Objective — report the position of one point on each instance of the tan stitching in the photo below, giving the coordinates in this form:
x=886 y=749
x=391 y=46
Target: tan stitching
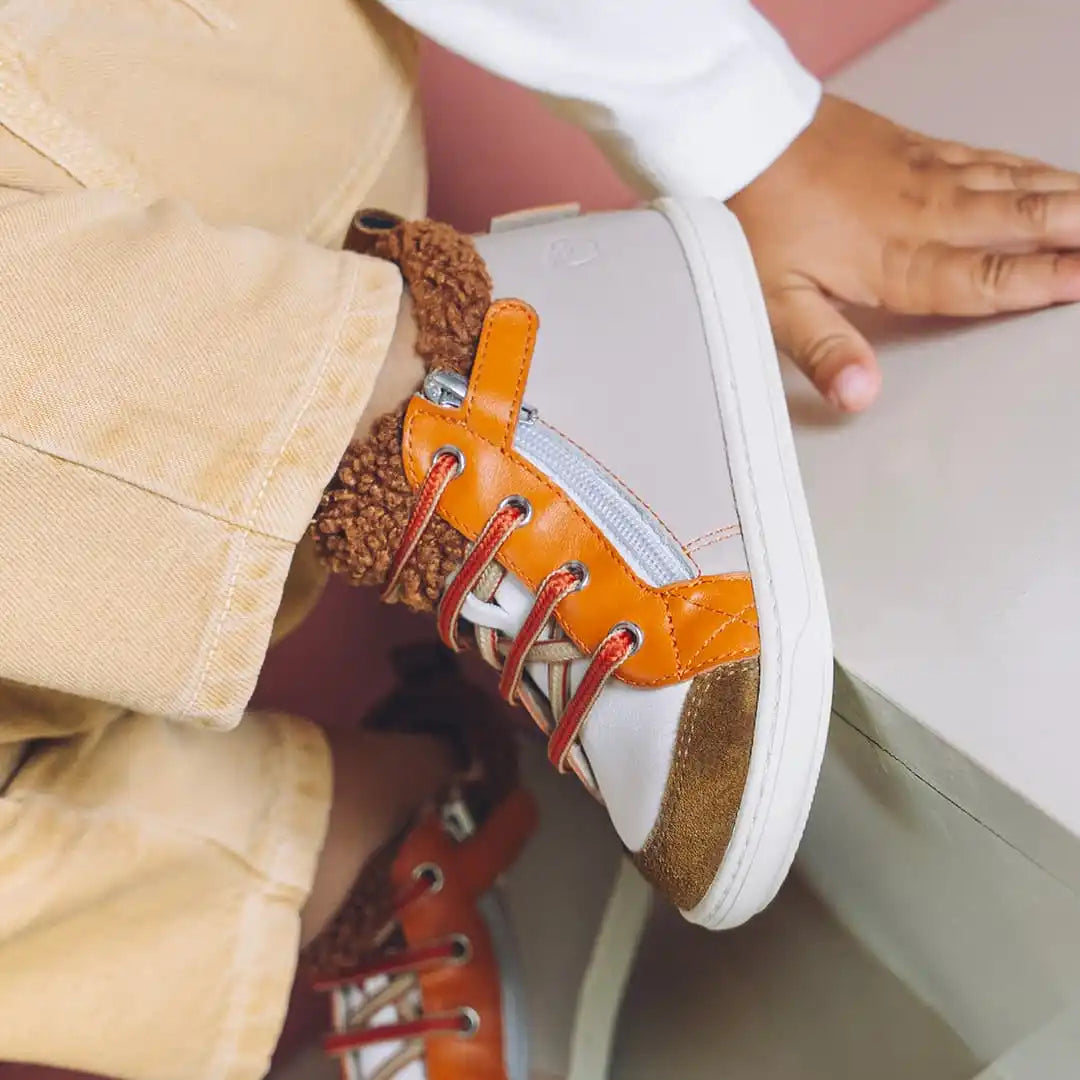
x=370 y=161
x=332 y=342
x=54 y=135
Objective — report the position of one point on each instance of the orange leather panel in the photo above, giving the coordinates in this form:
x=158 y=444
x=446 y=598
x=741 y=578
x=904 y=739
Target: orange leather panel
x=469 y=870
x=497 y=386
x=690 y=627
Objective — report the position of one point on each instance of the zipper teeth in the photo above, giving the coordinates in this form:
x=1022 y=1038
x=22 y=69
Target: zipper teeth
x=624 y=518
x=628 y=523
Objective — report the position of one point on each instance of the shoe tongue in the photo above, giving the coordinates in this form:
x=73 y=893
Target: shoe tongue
x=366 y=507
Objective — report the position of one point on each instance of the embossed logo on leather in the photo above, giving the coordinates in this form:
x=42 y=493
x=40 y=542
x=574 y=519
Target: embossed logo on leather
x=567 y=252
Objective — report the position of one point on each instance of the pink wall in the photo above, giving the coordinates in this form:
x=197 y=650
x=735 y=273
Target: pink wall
x=494 y=148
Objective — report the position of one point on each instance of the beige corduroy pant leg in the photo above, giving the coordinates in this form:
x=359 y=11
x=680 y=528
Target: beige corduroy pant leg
x=183 y=358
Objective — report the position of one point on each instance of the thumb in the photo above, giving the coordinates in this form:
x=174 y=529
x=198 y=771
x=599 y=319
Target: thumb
x=828 y=350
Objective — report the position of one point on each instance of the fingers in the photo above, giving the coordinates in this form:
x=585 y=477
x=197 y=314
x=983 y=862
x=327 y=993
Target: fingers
x=991 y=198
x=1033 y=219
x=832 y=354
x=942 y=280
x=962 y=154
x=998 y=176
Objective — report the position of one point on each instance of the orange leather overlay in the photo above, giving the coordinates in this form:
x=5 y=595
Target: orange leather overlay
x=690 y=627
x=469 y=870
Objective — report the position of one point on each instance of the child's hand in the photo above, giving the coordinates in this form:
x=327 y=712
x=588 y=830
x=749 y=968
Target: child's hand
x=862 y=211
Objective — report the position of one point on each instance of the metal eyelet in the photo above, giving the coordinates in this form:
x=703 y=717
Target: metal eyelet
x=470 y=1022
x=462 y=947
x=635 y=632
x=433 y=873
x=579 y=570
x=455 y=453
x=522 y=504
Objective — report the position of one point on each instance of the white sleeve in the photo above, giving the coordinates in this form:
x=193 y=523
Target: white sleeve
x=687 y=97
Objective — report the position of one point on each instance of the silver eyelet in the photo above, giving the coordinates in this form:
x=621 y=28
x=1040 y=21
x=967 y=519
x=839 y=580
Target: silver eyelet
x=635 y=632
x=433 y=873
x=580 y=571
x=470 y=1022
x=455 y=453
x=462 y=947
x=521 y=503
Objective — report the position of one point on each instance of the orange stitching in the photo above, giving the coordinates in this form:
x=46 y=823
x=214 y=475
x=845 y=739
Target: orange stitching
x=722 y=658
x=716 y=611
x=742 y=652
x=422 y=410
x=482 y=355
x=478 y=366
x=523 y=374
x=644 y=502
x=544 y=482
x=716 y=535
x=670 y=620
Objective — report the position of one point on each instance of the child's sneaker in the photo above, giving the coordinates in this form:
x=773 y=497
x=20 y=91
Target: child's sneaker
x=420 y=967
x=607 y=498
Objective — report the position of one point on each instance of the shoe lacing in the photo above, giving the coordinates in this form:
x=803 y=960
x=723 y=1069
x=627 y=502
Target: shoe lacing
x=539 y=639
x=400 y=967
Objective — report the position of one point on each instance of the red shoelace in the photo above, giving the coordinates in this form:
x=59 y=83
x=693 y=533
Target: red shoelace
x=480 y=576
x=400 y=966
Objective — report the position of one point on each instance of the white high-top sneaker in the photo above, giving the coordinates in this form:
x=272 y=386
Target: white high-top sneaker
x=598 y=483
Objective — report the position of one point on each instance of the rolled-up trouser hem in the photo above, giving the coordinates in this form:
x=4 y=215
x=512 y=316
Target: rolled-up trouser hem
x=186 y=413
x=151 y=879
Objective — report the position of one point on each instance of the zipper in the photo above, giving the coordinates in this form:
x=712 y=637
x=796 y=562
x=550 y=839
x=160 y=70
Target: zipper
x=627 y=522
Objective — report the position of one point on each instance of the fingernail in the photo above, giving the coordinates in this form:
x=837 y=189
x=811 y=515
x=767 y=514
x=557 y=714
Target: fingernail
x=854 y=388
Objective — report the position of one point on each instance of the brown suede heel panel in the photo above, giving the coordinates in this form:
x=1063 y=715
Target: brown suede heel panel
x=705 y=786
x=366 y=507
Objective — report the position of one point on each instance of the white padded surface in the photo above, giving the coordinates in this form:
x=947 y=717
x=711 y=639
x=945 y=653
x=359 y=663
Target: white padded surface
x=948 y=518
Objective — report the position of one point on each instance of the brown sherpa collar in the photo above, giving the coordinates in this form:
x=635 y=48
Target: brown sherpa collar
x=366 y=507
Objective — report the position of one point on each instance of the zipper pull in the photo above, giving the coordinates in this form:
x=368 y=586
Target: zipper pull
x=457 y=819
x=447 y=389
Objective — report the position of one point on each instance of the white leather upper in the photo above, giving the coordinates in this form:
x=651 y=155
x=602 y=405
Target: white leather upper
x=621 y=366
x=629 y=736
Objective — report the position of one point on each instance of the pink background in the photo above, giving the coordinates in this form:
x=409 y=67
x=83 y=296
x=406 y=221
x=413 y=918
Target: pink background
x=493 y=149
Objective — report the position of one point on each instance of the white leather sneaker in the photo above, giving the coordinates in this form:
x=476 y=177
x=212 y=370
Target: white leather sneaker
x=598 y=483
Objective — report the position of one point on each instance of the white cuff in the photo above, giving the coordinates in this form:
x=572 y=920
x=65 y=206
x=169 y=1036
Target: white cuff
x=713 y=137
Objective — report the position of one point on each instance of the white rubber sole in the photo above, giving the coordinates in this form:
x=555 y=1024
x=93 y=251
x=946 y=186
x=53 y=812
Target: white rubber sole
x=796 y=653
